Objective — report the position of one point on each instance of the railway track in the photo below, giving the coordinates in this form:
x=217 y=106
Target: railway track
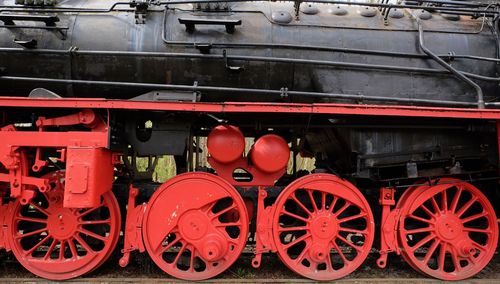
x=142 y=270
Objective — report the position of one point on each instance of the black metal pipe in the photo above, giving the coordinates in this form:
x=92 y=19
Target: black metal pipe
x=197 y=88
x=458 y=74
x=263 y=59
x=365 y=4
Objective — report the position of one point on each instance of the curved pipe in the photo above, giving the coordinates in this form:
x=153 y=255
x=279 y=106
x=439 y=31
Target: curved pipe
x=458 y=74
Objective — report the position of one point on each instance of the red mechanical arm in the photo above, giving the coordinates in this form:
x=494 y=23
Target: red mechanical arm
x=89 y=164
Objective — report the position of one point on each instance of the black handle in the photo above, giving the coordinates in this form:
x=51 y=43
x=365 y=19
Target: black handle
x=26 y=43
x=8 y=19
x=190 y=23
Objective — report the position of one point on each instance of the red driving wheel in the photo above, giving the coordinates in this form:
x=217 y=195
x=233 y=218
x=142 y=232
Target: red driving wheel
x=195 y=226
x=60 y=243
x=448 y=230
x=323 y=227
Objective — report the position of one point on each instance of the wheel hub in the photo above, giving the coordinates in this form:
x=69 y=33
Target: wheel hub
x=449 y=227
x=324 y=226
x=205 y=222
x=62 y=224
x=193 y=225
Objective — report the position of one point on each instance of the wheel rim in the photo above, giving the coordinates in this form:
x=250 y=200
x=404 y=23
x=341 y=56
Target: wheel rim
x=419 y=184
x=196 y=226
x=60 y=243
x=448 y=230
x=323 y=227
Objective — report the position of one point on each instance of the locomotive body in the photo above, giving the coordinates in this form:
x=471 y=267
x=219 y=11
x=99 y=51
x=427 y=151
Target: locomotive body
x=265 y=51
x=389 y=101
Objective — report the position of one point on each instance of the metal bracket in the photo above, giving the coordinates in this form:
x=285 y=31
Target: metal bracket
x=263 y=235
x=191 y=23
x=204 y=48
x=8 y=19
x=389 y=222
x=133 y=228
x=141 y=10
x=234 y=69
x=284 y=92
x=29 y=44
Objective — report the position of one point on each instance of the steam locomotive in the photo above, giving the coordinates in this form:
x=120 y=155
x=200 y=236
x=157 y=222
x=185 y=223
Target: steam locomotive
x=396 y=104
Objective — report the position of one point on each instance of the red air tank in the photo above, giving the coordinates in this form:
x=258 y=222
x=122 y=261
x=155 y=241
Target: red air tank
x=270 y=153
x=226 y=143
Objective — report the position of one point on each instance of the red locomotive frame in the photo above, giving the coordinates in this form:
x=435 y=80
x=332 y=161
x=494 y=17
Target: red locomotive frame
x=89 y=177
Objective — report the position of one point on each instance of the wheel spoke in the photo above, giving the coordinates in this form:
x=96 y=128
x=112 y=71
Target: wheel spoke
x=295 y=216
x=474 y=217
x=31 y=219
x=50 y=249
x=442 y=255
x=329 y=264
x=353 y=217
x=444 y=200
x=323 y=201
x=296 y=241
x=222 y=212
x=32 y=233
x=341 y=254
x=301 y=205
x=332 y=205
x=477 y=230
x=39 y=244
x=422 y=242
x=179 y=254
x=303 y=253
x=427 y=211
x=62 y=248
x=466 y=206
x=421 y=219
x=354 y=231
x=229 y=224
x=435 y=205
x=456 y=261
x=454 y=202
x=431 y=251
x=39 y=209
x=343 y=208
x=311 y=197
x=163 y=249
x=478 y=246
x=92 y=234
x=419 y=230
x=72 y=248
x=84 y=244
x=293 y=229
x=192 y=258
x=348 y=243
x=90 y=210
x=96 y=222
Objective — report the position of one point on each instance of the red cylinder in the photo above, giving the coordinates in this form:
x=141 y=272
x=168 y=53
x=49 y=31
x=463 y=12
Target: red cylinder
x=226 y=143
x=270 y=153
